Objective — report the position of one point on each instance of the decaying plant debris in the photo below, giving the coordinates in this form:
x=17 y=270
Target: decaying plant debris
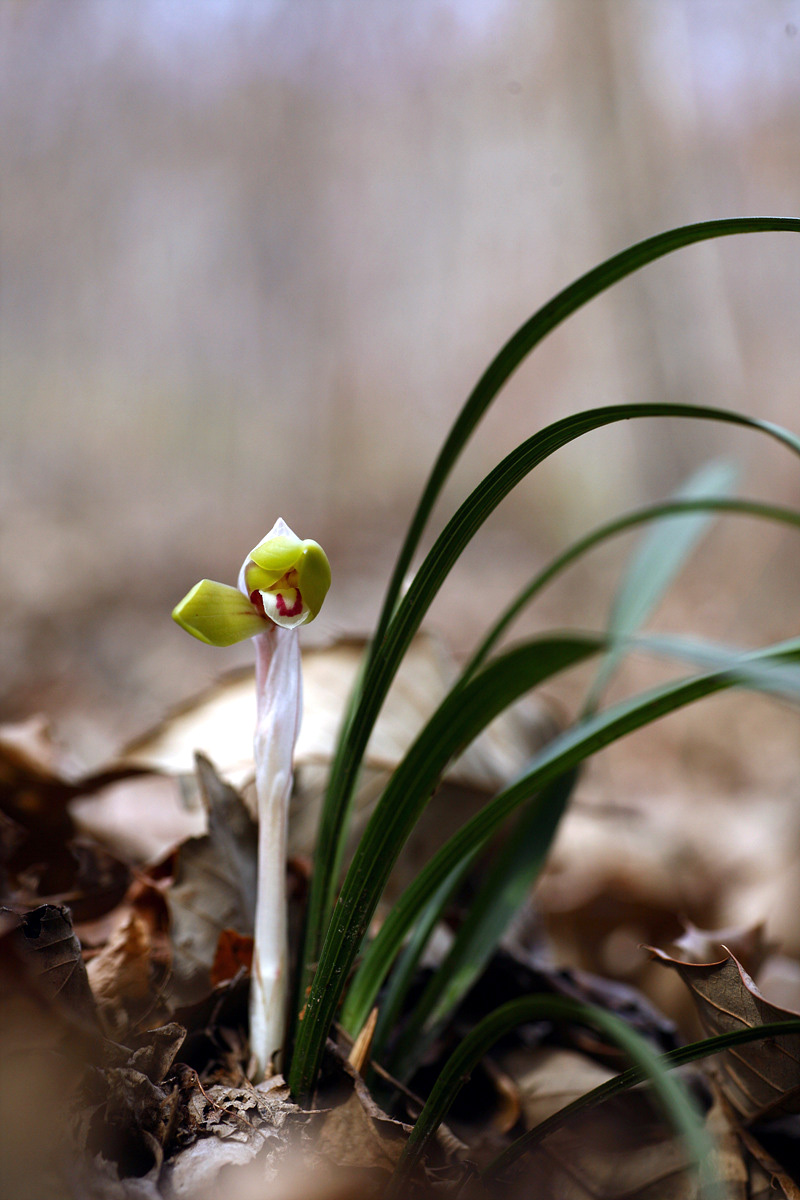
x=140 y=1028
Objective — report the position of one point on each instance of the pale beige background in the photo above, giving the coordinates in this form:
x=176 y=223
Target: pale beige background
x=255 y=254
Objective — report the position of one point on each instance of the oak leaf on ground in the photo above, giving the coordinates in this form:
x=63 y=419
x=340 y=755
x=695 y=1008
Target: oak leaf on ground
x=760 y=1079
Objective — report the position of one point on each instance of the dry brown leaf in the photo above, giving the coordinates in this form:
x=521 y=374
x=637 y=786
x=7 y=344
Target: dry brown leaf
x=78 y=873
x=212 y=1168
x=549 y=1077
x=157 y=1052
x=148 y=801
x=359 y=1134
x=38 y=778
x=133 y=1122
x=508 y=1105
x=730 y=1163
x=27 y=747
x=239 y=1136
x=44 y=860
x=120 y=975
x=234 y=953
x=761 y=1078
x=624 y=1149
x=214 y=888
x=52 y=954
x=142 y=818
x=35 y=789
x=764 y=1185
x=44 y=1051
x=618 y=877
x=766 y=1178
x=620 y=1149
x=747 y=943
x=623 y=873
x=220 y=722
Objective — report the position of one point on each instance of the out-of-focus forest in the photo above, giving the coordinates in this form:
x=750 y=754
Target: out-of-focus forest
x=255 y=253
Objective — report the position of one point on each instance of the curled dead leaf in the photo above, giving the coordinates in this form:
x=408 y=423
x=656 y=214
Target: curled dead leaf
x=214 y=887
x=748 y=943
x=52 y=953
x=761 y=1078
x=121 y=975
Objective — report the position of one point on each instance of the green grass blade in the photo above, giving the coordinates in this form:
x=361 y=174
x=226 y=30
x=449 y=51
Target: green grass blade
x=309 y=938
x=560 y=756
x=500 y=896
x=402 y=976
x=775 y=676
x=518 y=863
x=652 y=568
x=635 y=1075
x=534 y=330
x=654 y=564
x=354 y=733
x=674 y=1096
x=411 y=610
x=459 y=718
x=595 y=537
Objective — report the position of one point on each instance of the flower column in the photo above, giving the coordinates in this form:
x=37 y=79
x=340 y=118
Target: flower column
x=282 y=585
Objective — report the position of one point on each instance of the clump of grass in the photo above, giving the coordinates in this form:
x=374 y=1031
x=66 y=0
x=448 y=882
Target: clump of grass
x=339 y=913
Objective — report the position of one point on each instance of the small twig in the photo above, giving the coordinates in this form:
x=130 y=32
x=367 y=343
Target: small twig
x=381 y=1071
x=221 y=1107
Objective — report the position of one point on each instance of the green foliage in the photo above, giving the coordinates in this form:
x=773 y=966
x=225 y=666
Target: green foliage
x=559 y=757
x=386 y=652
x=674 y=1096
x=336 y=928
x=660 y=556
x=663 y=550
x=499 y=897
x=627 y=1079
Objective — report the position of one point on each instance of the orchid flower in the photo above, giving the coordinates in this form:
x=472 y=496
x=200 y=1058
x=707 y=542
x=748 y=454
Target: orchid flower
x=282 y=584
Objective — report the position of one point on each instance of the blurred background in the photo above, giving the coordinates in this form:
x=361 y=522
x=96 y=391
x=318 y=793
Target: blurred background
x=255 y=253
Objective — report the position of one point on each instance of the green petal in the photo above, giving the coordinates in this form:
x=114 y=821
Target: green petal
x=217 y=614
x=314 y=576
x=257 y=579
x=277 y=554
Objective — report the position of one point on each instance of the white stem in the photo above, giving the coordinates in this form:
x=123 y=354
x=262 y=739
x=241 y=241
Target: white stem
x=279 y=695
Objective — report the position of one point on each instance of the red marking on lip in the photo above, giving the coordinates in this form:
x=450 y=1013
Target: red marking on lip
x=257 y=602
x=296 y=608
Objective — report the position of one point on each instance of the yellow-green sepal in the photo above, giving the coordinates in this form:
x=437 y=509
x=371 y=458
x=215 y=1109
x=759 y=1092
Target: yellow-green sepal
x=256 y=579
x=313 y=577
x=277 y=555
x=217 y=614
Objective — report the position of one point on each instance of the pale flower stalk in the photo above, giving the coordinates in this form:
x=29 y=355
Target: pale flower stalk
x=279 y=694
x=282 y=584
